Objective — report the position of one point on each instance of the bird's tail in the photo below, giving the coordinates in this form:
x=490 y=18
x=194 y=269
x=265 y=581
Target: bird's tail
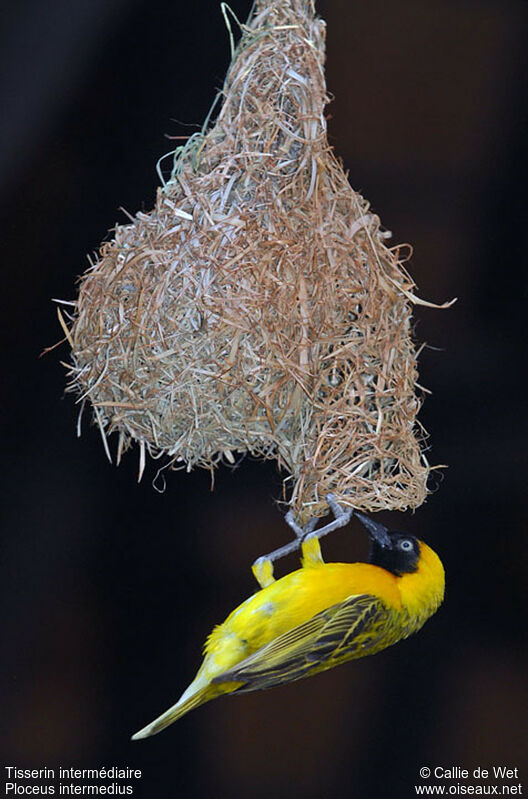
x=196 y=694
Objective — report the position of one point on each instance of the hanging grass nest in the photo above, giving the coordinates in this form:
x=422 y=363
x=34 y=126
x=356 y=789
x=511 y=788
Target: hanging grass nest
x=257 y=308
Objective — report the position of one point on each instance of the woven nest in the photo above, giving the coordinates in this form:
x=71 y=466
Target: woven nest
x=256 y=308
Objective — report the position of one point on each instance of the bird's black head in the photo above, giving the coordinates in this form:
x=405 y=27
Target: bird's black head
x=396 y=552
x=401 y=558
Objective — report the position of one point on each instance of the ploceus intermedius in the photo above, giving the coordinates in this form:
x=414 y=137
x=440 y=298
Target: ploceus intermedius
x=317 y=617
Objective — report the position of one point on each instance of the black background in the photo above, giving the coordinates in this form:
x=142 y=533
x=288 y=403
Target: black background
x=110 y=587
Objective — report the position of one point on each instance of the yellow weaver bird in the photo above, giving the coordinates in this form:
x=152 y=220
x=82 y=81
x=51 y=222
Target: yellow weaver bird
x=316 y=617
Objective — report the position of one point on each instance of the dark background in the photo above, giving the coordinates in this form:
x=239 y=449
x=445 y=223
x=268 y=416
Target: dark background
x=111 y=587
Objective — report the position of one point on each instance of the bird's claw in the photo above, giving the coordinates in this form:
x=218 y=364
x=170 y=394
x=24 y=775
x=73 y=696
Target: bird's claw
x=297 y=529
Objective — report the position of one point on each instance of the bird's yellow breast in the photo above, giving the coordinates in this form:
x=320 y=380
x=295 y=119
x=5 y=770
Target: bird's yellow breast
x=289 y=602
x=422 y=591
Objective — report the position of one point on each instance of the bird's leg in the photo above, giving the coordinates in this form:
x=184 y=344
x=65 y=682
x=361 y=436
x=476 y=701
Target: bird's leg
x=342 y=517
x=297 y=529
x=263 y=571
x=263 y=567
x=310 y=525
x=311 y=551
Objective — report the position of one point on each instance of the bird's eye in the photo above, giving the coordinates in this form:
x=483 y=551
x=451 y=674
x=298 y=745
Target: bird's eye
x=406 y=545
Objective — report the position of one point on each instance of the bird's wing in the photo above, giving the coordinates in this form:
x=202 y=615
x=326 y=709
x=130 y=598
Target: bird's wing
x=341 y=632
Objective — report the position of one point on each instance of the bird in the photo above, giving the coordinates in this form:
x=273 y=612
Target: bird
x=316 y=617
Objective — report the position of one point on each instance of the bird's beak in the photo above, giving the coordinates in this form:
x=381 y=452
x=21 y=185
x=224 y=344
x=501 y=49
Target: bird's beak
x=378 y=532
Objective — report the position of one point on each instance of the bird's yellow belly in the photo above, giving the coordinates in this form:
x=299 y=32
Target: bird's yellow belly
x=289 y=602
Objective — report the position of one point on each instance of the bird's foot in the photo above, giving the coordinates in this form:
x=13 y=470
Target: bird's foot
x=263 y=566
x=342 y=517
